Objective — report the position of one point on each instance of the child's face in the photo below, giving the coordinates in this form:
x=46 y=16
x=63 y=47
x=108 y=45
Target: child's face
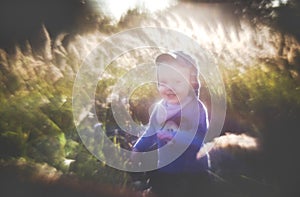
x=173 y=83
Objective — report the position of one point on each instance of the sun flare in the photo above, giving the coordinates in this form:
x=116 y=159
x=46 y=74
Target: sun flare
x=116 y=8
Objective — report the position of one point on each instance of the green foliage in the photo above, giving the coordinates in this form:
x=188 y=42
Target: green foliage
x=9 y=82
x=71 y=148
x=12 y=144
x=60 y=113
x=141 y=101
x=260 y=92
x=36 y=136
x=37 y=122
x=88 y=167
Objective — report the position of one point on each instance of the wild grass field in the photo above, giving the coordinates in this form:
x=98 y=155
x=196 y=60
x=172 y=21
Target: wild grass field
x=256 y=154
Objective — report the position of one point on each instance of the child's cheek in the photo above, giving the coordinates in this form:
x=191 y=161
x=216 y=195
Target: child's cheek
x=161 y=89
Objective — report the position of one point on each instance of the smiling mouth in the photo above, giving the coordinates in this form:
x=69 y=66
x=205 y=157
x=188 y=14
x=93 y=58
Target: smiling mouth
x=171 y=95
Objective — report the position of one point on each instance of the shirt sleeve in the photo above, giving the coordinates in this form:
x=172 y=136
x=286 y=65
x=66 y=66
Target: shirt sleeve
x=145 y=143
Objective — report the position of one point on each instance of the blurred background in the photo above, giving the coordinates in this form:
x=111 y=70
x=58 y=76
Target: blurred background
x=44 y=42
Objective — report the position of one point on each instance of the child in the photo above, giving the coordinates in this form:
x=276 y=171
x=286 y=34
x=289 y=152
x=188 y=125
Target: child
x=178 y=123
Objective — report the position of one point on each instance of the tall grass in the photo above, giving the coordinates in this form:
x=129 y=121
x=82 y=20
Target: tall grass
x=36 y=111
x=263 y=101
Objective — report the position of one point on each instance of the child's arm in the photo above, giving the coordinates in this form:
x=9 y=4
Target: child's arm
x=147 y=141
x=144 y=143
x=185 y=137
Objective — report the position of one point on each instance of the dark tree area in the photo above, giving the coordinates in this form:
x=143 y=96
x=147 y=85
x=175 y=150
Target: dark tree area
x=22 y=20
x=285 y=16
x=288 y=18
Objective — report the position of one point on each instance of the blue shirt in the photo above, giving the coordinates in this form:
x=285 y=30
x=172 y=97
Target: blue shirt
x=189 y=124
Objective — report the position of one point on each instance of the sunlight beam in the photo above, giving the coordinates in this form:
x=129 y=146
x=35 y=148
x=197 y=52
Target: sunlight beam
x=116 y=8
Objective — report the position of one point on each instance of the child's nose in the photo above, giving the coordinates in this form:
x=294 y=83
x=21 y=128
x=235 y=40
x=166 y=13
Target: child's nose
x=167 y=87
x=170 y=89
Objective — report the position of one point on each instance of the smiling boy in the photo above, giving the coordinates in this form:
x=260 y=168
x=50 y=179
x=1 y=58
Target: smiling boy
x=178 y=124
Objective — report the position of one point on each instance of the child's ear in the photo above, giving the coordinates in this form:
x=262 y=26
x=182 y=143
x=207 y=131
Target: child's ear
x=194 y=81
